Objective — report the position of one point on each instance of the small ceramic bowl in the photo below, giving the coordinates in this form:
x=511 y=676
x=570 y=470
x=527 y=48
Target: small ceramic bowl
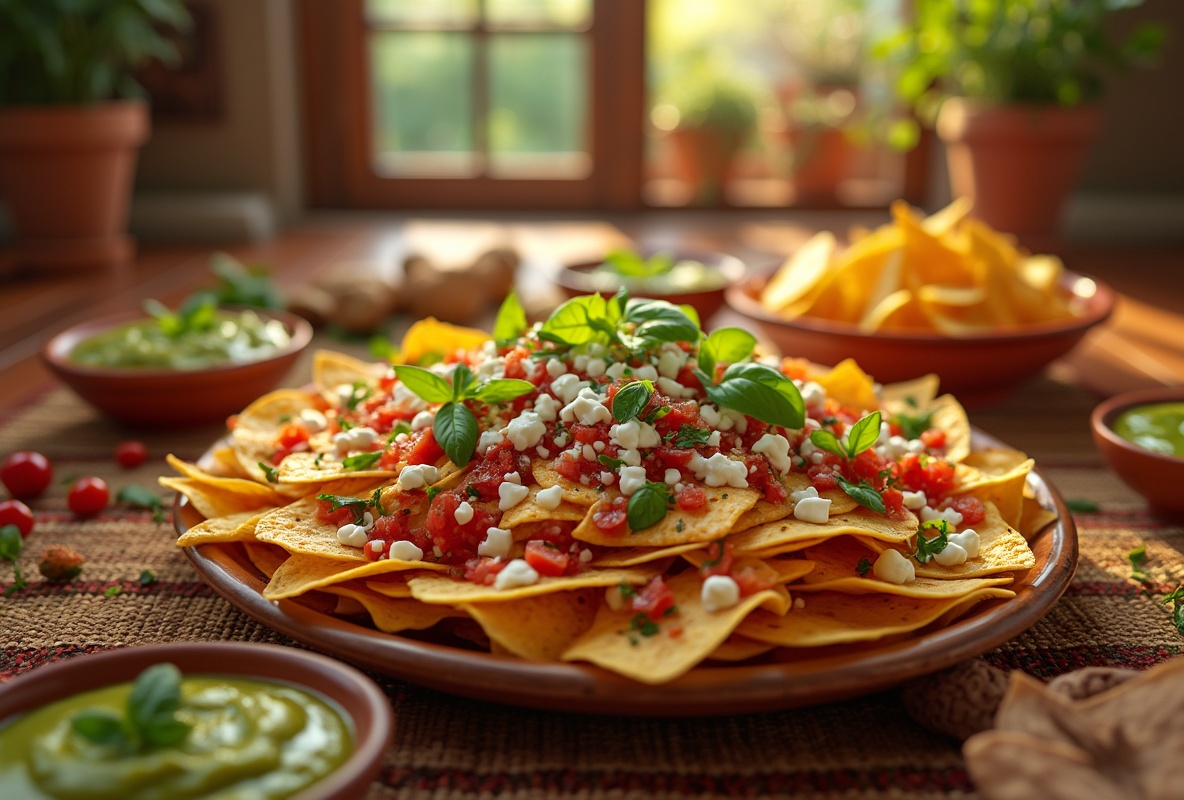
x=1159 y=478
x=164 y=398
x=363 y=703
x=574 y=280
x=980 y=367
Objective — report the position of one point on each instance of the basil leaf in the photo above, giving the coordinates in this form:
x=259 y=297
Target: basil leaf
x=631 y=399
x=463 y=381
x=913 y=425
x=501 y=390
x=863 y=493
x=580 y=320
x=726 y=344
x=147 y=577
x=456 y=431
x=357 y=393
x=647 y=506
x=155 y=697
x=138 y=497
x=354 y=504
x=690 y=436
x=863 y=434
x=692 y=315
x=166 y=732
x=100 y=727
x=424 y=383
x=760 y=392
x=660 y=321
x=362 y=460
x=1176 y=599
x=511 y=320
x=11 y=543
x=927 y=548
x=613 y=464
x=825 y=440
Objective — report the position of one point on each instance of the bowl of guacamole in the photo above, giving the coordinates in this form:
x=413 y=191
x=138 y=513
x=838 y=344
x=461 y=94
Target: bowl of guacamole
x=165 y=369
x=1141 y=436
x=192 y=721
x=684 y=277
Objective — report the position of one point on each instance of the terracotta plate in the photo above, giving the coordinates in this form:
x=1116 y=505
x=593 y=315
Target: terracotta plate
x=815 y=676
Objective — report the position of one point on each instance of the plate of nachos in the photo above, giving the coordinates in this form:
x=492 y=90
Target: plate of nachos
x=614 y=511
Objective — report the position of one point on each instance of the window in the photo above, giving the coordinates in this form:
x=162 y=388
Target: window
x=594 y=104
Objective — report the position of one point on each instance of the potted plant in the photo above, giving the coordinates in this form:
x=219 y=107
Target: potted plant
x=712 y=115
x=71 y=121
x=1013 y=87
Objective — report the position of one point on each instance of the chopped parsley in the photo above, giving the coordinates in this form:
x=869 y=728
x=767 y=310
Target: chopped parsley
x=689 y=436
x=863 y=567
x=270 y=472
x=928 y=548
x=362 y=460
x=113 y=591
x=643 y=625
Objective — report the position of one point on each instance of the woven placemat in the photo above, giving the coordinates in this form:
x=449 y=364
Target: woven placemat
x=454 y=747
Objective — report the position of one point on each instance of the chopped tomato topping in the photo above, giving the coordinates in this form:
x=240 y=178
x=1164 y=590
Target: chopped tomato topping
x=934 y=438
x=691 y=497
x=612 y=518
x=753 y=578
x=719 y=559
x=893 y=502
x=933 y=476
x=546 y=558
x=426 y=450
x=971 y=508
x=654 y=600
x=483 y=570
x=457 y=541
x=335 y=517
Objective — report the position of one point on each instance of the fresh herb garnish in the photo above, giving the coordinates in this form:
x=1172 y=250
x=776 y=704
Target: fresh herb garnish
x=862 y=436
x=472 y=491
x=727 y=345
x=643 y=625
x=138 y=497
x=358 y=392
x=913 y=425
x=362 y=460
x=631 y=399
x=455 y=427
x=357 y=505
x=863 y=493
x=432 y=491
x=1176 y=599
x=863 y=567
x=633 y=265
x=511 y=320
x=150 y=714
x=647 y=505
x=927 y=548
x=1138 y=557
x=11 y=547
x=611 y=463
x=147 y=577
x=113 y=591
x=1081 y=506
x=689 y=436
x=269 y=472
x=759 y=391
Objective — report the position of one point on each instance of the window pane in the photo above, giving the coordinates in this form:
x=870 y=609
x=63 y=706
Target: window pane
x=538 y=105
x=558 y=13
x=423 y=107
x=419 y=12
x=768 y=103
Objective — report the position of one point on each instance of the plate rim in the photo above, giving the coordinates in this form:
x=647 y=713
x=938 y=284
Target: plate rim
x=705 y=690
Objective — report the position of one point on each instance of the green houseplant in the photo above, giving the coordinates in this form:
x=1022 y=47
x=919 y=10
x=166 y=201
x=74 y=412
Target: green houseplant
x=1013 y=86
x=71 y=121
x=712 y=115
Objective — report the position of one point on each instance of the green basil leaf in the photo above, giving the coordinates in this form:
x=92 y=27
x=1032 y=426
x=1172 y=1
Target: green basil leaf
x=913 y=425
x=456 y=431
x=502 y=390
x=647 y=505
x=580 y=320
x=155 y=696
x=728 y=345
x=660 y=321
x=927 y=548
x=631 y=399
x=424 y=383
x=613 y=464
x=760 y=392
x=138 y=497
x=863 y=434
x=166 y=732
x=147 y=577
x=511 y=320
x=690 y=436
x=355 y=504
x=362 y=460
x=463 y=381
x=825 y=440
x=11 y=543
x=692 y=315
x=100 y=727
x=863 y=493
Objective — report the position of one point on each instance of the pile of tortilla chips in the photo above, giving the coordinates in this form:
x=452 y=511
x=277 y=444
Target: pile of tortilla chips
x=822 y=591
x=947 y=273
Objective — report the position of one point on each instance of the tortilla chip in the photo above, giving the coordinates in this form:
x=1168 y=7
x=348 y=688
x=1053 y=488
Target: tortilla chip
x=238 y=527
x=266 y=557
x=907 y=396
x=998 y=477
x=547 y=476
x=301 y=573
x=840 y=501
x=537 y=628
x=211 y=501
x=738 y=648
x=860 y=521
x=429 y=336
x=443 y=589
x=390 y=585
x=851 y=386
x=259 y=424
x=530 y=511
x=331 y=370
x=949 y=416
x=725 y=505
x=1034 y=518
x=632 y=556
x=830 y=618
x=613 y=643
x=308 y=467
x=762 y=512
x=392 y=615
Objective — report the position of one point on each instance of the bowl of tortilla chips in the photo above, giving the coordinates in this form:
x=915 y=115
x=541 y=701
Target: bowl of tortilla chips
x=942 y=294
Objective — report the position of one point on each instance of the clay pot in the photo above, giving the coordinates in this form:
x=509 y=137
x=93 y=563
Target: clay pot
x=1017 y=163
x=822 y=157
x=703 y=159
x=66 y=174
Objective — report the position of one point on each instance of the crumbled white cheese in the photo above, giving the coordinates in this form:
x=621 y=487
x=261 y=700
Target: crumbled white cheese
x=672 y=388
x=525 y=430
x=951 y=516
x=463 y=514
x=631 y=458
x=497 y=544
x=423 y=420
x=567 y=387
x=892 y=567
x=354 y=439
x=516 y=573
x=489 y=439
x=968 y=540
x=587 y=408
x=774 y=447
x=951 y=555
x=550 y=498
x=645 y=373
x=510 y=495
x=352 y=535
x=635 y=435
x=671 y=360
x=672 y=476
x=596 y=367
x=547 y=407
x=812 y=509
x=802 y=494
x=813 y=395
x=555 y=367
x=313 y=421
x=914 y=500
x=404 y=551
x=719 y=592
x=719 y=470
x=632 y=479
x=416 y=476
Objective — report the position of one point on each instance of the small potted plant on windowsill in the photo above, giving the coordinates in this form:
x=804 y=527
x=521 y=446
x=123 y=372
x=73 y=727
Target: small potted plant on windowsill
x=1012 y=86
x=71 y=122
x=712 y=115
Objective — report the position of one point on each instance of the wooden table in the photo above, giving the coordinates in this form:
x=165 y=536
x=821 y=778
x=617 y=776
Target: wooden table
x=453 y=747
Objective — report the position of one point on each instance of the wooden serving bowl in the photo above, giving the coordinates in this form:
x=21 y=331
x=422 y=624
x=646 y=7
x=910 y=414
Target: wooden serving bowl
x=1159 y=478
x=980 y=367
x=364 y=705
x=169 y=398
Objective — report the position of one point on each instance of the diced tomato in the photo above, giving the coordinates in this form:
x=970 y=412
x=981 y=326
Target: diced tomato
x=893 y=503
x=753 y=578
x=761 y=478
x=426 y=450
x=483 y=570
x=867 y=466
x=334 y=516
x=822 y=477
x=971 y=508
x=654 y=600
x=934 y=438
x=570 y=468
x=546 y=558
x=515 y=366
x=685 y=412
x=933 y=476
x=500 y=460
x=677 y=457
x=612 y=518
x=719 y=559
x=458 y=542
x=556 y=533
x=588 y=434
x=691 y=497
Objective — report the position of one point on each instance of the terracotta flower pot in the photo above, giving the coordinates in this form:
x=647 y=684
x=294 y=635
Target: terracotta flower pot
x=66 y=175
x=1017 y=163
x=703 y=157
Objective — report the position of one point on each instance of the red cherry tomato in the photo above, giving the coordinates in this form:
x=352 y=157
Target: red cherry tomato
x=26 y=473
x=14 y=512
x=88 y=496
x=131 y=454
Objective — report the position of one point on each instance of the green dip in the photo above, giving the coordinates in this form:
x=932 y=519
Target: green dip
x=1157 y=427
x=225 y=337
x=250 y=739
x=673 y=277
